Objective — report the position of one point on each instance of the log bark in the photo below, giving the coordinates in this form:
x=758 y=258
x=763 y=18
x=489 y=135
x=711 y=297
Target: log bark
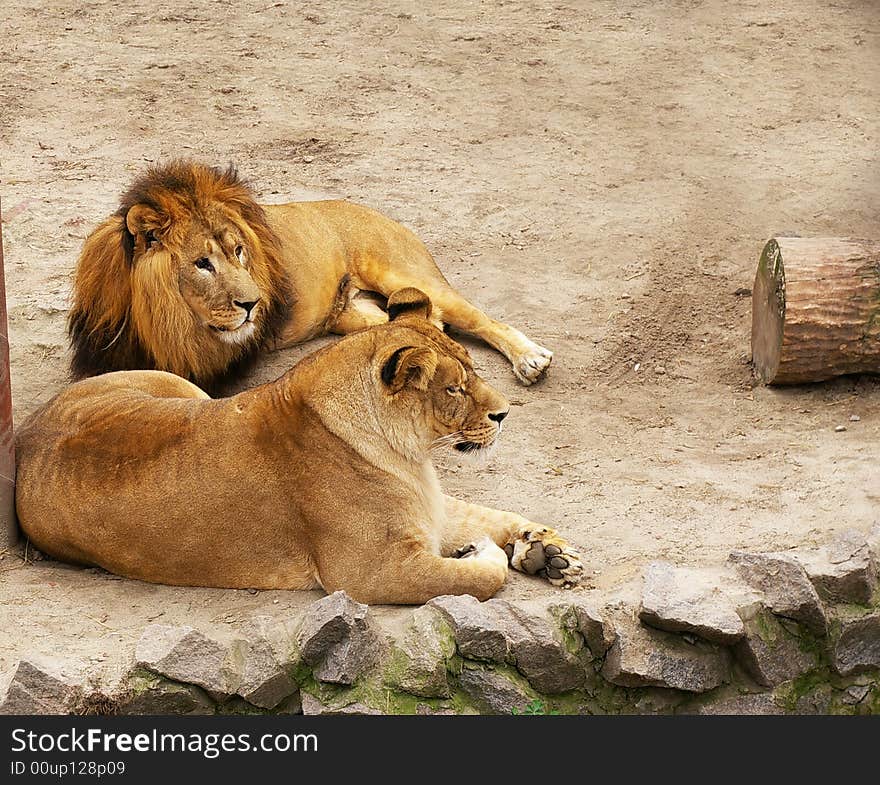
x=816 y=309
x=8 y=525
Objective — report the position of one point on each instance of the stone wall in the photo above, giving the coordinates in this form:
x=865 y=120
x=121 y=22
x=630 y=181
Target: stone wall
x=765 y=633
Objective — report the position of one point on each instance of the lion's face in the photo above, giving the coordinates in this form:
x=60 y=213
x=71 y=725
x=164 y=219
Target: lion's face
x=430 y=383
x=186 y=277
x=214 y=279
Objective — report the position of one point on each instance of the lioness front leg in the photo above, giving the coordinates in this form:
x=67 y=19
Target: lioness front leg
x=405 y=573
x=531 y=548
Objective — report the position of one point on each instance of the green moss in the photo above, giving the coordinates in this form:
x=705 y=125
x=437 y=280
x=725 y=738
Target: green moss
x=140 y=680
x=791 y=692
x=239 y=706
x=429 y=677
x=301 y=672
x=849 y=611
x=396 y=667
x=454 y=665
x=824 y=685
x=568 y=634
x=766 y=627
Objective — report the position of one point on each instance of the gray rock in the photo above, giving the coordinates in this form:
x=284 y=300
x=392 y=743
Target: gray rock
x=856 y=645
x=498 y=631
x=186 y=655
x=680 y=599
x=263 y=682
x=874 y=542
x=583 y=617
x=818 y=700
x=43 y=685
x=786 y=587
x=339 y=639
x=843 y=571
x=147 y=693
x=493 y=692
x=644 y=657
x=418 y=661
x=479 y=634
x=313 y=706
x=758 y=704
x=278 y=634
x=536 y=650
x=291 y=705
x=657 y=700
x=855 y=694
x=769 y=653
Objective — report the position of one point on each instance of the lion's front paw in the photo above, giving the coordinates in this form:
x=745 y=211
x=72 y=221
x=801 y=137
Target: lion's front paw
x=541 y=551
x=532 y=364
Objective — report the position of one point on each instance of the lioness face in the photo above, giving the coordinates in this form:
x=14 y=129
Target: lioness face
x=215 y=281
x=433 y=385
x=463 y=411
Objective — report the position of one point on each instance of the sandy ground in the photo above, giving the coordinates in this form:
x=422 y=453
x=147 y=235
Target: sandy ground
x=602 y=175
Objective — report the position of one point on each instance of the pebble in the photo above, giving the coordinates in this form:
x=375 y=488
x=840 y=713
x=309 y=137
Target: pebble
x=840 y=428
x=854 y=418
x=660 y=370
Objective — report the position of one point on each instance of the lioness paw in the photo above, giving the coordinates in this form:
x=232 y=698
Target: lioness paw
x=540 y=551
x=532 y=364
x=482 y=549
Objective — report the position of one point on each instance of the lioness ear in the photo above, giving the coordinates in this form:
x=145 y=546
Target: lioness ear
x=409 y=301
x=143 y=220
x=415 y=365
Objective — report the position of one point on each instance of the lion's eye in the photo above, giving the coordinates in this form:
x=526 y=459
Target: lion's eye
x=239 y=253
x=205 y=264
x=453 y=390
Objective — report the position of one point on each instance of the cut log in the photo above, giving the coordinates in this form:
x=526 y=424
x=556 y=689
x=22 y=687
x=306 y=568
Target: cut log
x=8 y=526
x=816 y=309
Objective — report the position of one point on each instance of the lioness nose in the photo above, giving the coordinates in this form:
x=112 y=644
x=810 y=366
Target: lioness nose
x=498 y=416
x=248 y=306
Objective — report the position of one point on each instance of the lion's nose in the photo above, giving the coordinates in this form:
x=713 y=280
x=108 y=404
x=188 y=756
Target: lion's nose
x=498 y=416
x=248 y=306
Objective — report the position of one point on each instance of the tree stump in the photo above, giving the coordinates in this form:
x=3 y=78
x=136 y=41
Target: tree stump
x=816 y=309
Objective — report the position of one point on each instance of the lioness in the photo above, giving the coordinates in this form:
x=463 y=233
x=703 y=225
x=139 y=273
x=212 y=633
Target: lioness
x=322 y=477
x=192 y=276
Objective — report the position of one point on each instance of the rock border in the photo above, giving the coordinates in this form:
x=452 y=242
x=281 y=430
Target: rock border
x=796 y=632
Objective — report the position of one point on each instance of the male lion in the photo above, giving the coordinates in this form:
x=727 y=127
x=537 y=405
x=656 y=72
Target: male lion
x=192 y=276
x=322 y=477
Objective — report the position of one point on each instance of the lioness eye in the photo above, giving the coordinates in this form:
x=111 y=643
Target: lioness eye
x=205 y=264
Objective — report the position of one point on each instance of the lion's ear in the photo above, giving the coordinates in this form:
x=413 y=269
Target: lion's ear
x=143 y=221
x=409 y=302
x=413 y=365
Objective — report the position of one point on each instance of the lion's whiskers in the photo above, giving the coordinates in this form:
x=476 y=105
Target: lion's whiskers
x=450 y=440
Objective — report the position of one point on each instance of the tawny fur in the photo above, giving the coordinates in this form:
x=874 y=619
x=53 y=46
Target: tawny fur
x=322 y=477
x=140 y=301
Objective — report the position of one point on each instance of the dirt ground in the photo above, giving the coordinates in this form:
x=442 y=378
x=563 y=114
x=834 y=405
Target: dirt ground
x=602 y=175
